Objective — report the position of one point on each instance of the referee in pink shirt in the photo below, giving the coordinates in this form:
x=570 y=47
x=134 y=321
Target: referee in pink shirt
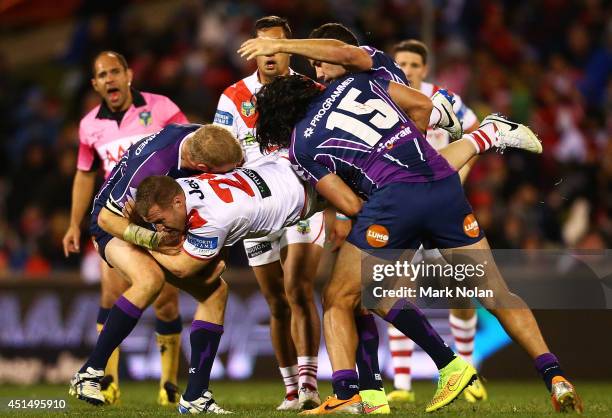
x=124 y=116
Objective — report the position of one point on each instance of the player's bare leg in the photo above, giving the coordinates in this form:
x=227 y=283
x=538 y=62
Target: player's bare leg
x=270 y=278
x=340 y=298
x=112 y=285
x=147 y=279
x=300 y=264
x=519 y=322
x=168 y=326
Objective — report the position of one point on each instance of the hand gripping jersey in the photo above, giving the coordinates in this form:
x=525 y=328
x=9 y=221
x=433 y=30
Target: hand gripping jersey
x=245 y=203
x=356 y=131
x=439 y=138
x=101 y=139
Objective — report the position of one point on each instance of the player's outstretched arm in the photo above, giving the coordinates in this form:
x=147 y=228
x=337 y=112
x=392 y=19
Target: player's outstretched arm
x=326 y=50
x=416 y=104
x=339 y=195
x=82 y=193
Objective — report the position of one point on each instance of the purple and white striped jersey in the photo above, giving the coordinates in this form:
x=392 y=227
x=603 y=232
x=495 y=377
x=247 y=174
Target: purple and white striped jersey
x=356 y=131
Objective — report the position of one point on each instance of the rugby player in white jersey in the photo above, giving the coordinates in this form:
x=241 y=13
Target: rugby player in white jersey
x=285 y=263
x=219 y=210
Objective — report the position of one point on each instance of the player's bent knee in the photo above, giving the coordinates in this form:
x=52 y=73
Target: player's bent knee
x=150 y=285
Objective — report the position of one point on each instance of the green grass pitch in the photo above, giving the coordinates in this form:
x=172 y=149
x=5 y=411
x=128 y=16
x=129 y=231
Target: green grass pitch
x=260 y=398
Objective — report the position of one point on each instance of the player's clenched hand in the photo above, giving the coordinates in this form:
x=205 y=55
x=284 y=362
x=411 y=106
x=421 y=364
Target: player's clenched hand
x=170 y=242
x=71 y=241
x=128 y=208
x=258 y=46
x=339 y=231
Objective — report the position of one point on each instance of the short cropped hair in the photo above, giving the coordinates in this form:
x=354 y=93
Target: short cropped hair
x=215 y=146
x=414 y=46
x=117 y=55
x=273 y=22
x=334 y=31
x=155 y=190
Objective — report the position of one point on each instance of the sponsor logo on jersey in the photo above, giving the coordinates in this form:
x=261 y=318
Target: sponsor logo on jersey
x=247 y=109
x=143 y=143
x=224 y=118
x=145 y=118
x=390 y=143
x=470 y=226
x=261 y=185
x=377 y=236
x=205 y=246
x=250 y=139
x=303 y=227
x=327 y=104
x=258 y=249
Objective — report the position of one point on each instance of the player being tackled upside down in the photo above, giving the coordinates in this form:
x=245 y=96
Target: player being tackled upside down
x=353 y=141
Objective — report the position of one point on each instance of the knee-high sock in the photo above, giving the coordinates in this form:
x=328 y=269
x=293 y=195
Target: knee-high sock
x=205 y=337
x=401 y=348
x=112 y=366
x=168 y=336
x=307 y=369
x=122 y=319
x=291 y=380
x=464 y=331
x=367 y=353
x=548 y=366
x=345 y=383
x=409 y=319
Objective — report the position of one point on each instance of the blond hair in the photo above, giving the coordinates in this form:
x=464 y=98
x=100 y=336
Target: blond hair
x=214 y=146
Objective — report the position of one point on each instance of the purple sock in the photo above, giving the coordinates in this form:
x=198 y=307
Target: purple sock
x=367 y=353
x=345 y=383
x=102 y=315
x=169 y=327
x=205 y=337
x=121 y=320
x=548 y=367
x=411 y=322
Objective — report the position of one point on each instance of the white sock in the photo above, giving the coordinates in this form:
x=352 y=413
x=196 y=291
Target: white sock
x=307 y=367
x=290 y=377
x=464 y=331
x=401 y=348
x=483 y=138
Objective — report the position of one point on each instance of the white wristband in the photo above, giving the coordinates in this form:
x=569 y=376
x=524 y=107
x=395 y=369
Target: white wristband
x=342 y=217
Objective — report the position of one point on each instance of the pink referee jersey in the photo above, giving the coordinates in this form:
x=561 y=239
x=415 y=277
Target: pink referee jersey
x=102 y=139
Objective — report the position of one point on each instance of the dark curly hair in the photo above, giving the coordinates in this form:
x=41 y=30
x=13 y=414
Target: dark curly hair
x=280 y=105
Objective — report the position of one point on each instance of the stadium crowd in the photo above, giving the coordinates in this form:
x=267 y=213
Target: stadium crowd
x=545 y=63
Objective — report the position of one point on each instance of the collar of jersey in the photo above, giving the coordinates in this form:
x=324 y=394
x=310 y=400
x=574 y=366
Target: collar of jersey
x=105 y=113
